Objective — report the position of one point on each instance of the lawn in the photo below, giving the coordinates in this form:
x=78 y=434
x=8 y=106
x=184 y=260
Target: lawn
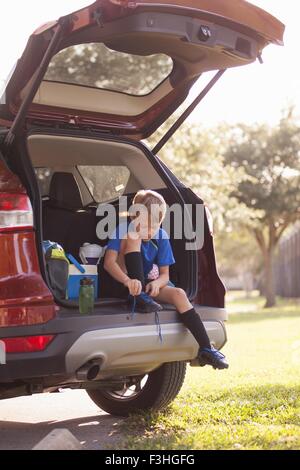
x=253 y=405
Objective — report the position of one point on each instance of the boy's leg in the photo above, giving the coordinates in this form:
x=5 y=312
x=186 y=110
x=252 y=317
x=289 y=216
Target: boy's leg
x=189 y=317
x=206 y=355
x=142 y=303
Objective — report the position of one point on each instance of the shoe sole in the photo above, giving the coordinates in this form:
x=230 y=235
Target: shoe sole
x=147 y=311
x=198 y=363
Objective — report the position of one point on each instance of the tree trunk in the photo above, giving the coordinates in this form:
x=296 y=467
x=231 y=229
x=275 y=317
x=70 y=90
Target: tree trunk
x=268 y=249
x=247 y=278
x=269 y=279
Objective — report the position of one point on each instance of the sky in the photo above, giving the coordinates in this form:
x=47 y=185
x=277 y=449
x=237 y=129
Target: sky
x=255 y=93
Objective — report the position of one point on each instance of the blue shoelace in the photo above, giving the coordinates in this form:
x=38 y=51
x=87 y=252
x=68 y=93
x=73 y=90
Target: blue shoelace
x=157 y=321
x=133 y=308
x=158 y=325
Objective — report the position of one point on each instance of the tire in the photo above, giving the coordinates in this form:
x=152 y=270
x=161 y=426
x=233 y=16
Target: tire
x=152 y=392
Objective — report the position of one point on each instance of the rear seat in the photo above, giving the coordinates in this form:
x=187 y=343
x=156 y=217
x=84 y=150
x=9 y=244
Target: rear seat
x=65 y=220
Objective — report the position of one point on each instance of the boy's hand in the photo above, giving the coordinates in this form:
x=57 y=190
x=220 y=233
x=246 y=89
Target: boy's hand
x=134 y=286
x=153 y=288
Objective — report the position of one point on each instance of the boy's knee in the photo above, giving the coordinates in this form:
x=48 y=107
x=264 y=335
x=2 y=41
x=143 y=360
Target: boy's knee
x=179 y=293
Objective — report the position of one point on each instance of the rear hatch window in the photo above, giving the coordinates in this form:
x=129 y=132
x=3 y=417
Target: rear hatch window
x=95 y=65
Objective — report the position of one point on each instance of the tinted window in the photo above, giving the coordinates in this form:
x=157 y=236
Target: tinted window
x=105 y=182
x=44 y=176
x=96 y=66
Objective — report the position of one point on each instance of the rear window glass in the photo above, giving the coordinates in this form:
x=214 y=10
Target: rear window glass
x=44 y=176
x=95 y=65
x=105 y=183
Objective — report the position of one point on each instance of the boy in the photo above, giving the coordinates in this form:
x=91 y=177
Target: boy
x=139 y=255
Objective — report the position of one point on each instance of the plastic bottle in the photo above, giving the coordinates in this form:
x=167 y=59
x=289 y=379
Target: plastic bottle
x=90 y=254
x=86 y=296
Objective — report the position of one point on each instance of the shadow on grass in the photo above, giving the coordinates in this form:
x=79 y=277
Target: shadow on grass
x=261 y=408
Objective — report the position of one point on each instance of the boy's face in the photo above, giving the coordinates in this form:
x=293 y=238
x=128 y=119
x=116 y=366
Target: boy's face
x=146 y=226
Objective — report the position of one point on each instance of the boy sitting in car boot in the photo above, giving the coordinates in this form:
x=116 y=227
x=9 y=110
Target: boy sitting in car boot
x=138 y=255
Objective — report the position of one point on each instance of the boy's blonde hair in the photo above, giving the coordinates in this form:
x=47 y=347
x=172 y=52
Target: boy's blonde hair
x=152 y=201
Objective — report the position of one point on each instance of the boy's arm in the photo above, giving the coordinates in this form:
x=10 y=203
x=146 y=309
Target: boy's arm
x=164 y=276
x=112 y=267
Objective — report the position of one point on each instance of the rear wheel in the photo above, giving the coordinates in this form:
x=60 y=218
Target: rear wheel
x=150 y=392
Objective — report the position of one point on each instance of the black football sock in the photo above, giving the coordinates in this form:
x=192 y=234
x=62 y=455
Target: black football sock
x=134 y=266
x=193 y=322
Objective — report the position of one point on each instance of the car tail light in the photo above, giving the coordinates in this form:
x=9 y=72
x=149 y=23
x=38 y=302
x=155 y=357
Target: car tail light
x=15 y=212
x=27 y=344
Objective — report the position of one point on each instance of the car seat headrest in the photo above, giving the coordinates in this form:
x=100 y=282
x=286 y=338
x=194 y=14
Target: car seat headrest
x=65 y=192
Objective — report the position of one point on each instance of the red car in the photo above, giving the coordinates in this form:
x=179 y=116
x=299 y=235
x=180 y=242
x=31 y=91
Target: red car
x=72 y=120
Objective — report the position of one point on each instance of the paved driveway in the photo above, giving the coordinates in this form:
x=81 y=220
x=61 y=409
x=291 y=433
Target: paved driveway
x=25 y=421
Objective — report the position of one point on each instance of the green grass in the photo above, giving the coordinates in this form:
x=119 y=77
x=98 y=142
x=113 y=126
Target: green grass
x=253 y=405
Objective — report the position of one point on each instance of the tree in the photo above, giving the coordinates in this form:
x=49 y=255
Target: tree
x=270 y=159
x=238 y=256
x=194 y=154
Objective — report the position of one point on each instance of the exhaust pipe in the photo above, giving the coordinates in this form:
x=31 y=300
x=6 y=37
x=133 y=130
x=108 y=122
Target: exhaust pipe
x=88 y=372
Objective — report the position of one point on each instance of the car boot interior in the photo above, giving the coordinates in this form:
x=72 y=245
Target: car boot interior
x=64 y=218
x=78 y=175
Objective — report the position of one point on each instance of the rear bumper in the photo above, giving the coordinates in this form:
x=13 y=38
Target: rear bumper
x=137 y=350
x=121 y=345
